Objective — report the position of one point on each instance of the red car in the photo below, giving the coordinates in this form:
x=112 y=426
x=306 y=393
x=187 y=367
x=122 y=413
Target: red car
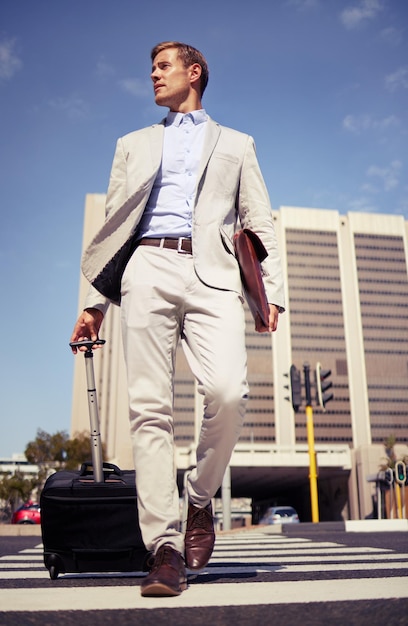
x=28 y=513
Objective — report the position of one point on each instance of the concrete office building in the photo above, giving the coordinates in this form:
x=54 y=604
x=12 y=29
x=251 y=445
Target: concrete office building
x=347 y=297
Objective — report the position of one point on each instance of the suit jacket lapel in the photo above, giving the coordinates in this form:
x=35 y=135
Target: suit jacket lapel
x=156 y=144
x=213 y=131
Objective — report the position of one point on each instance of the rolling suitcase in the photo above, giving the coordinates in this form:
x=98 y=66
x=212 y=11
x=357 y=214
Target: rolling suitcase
x=89 y=518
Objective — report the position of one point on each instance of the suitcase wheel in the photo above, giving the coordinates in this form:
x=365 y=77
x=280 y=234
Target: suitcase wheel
x=54 y=565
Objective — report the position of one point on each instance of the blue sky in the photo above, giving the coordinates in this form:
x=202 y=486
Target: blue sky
x=322 y=86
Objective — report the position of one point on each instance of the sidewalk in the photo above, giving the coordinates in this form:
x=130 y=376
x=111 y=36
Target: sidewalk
x=356 y=526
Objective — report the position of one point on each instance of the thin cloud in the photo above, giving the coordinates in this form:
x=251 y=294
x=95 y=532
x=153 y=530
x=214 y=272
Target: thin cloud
x=354 y=16
x=363 y=205
x=392 y=36
x=73 y=106
x=402 y=207
x=358 y=124
x=136 y=87
x=388 y=176
x=397 y=80
x=10 y=63
x=104 y=69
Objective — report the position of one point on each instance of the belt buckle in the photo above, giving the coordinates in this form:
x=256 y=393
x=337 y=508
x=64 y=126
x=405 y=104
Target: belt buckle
x=180 y=244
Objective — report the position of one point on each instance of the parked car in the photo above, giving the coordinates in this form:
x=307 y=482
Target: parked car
x=280 y=515
x=28 y=513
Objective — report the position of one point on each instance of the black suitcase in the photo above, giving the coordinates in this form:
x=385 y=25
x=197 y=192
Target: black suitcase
x=89 y=518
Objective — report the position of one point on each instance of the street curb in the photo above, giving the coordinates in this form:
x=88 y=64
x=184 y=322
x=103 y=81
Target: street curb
x=314 y=527
x=376 y=525
x=270 y=529
x=355 y=526
x=20 y=530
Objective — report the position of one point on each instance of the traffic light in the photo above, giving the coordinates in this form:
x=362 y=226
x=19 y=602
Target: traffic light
x=400 y=472
x=322 y=385
x=295 y=388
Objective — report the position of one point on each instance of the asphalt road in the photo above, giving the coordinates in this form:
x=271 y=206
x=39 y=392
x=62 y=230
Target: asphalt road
x=302 y=576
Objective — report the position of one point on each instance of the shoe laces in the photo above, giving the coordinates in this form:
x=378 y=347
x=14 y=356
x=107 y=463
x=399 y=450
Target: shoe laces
x=200 y=519
x=164 y=556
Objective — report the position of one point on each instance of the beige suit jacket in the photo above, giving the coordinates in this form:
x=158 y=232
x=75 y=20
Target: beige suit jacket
x=230 y=189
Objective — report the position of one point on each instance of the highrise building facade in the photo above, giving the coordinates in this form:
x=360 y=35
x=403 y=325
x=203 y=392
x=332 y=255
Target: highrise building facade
x=347 y=292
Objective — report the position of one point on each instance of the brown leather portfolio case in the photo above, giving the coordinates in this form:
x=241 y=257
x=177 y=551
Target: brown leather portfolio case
x=250 y=252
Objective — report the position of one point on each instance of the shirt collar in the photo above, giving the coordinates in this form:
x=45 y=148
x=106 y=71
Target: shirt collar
x=175 y=118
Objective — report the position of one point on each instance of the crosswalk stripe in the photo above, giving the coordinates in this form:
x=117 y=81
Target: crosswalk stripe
x=305 y=551
x=20 y=566
x=21 y=557
x=311 y=559
x=230 y=570
x=268 y=539
x=244 y=554
x=372 y=558
x=222 y=594
x=221 y=554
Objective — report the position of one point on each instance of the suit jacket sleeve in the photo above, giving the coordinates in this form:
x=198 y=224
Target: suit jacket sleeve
x=255 y=212
x=116 y=196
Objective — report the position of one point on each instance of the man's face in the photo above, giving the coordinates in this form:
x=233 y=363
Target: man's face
x=171 y=80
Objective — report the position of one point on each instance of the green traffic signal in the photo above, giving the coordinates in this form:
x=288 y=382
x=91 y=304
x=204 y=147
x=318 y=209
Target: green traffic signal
x=400 y=472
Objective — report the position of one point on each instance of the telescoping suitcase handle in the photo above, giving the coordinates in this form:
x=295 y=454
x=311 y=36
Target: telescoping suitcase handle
x=96 y=445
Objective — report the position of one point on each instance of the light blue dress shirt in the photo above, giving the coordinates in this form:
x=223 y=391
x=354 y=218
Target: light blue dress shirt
x=169 y=210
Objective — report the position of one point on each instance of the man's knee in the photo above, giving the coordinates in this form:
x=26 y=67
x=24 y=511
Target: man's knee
x=227 y=396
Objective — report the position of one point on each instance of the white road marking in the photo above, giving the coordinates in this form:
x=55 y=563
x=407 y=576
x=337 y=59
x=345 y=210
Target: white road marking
x=306 y=551
x=226 y=571
x=264 y=554
x=20 y=557
x=223 y=594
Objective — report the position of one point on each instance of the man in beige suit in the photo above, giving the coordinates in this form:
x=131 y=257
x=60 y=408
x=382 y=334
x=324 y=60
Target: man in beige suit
x=165 y=253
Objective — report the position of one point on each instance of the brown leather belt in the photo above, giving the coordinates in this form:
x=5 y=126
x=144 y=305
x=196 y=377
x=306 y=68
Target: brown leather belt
x=182 y=245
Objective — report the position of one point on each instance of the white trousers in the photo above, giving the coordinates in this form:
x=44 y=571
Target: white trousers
x=163 y=301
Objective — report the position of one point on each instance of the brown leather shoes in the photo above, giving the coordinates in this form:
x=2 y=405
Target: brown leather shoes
x=200 y=536
x=167 y=576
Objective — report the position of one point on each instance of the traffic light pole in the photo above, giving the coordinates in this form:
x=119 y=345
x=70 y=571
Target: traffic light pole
x=400 y=479
x=310 y=440
x=398 y=500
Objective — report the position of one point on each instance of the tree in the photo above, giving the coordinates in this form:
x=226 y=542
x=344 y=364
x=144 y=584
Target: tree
x=47 y=449
x=389 y=444
x=78 y=450
x=58 y=451
x=50 y=453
